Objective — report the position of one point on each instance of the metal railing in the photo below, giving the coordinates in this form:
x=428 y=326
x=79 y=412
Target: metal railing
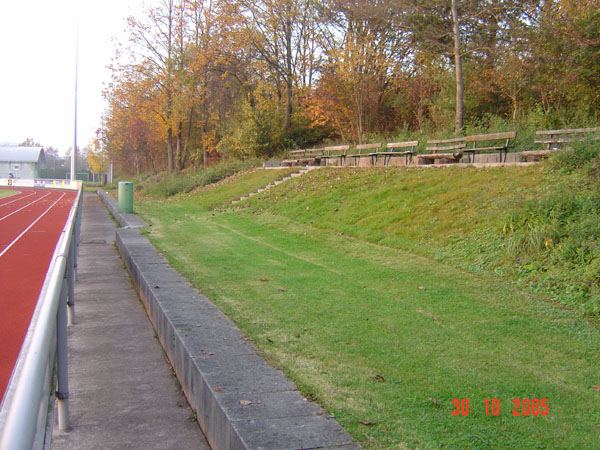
x=24 y=409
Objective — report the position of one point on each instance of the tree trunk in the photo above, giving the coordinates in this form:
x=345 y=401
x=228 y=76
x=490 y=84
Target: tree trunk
x=289 y=72
x=169 y=83
x=188 y=135
x=458 y=120
x=178 y=152
x=170 y=149
x=288 y=106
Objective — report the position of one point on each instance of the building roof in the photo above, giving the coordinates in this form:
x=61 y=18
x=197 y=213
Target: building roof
x=21 y=154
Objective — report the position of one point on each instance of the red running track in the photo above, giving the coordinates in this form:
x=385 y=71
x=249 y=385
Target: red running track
x=30 y=226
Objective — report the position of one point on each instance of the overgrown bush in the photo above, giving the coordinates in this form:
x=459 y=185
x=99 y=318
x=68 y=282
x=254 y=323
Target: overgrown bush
x=258 y=130
x=166 y=185
x=582 y=155
x=555 y=241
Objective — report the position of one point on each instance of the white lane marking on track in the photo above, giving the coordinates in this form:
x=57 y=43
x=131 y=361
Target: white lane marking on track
x=7 y=248
x=16 y=199
x=23 y=207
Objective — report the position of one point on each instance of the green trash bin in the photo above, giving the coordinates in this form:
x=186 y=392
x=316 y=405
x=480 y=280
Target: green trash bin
x=125 y=196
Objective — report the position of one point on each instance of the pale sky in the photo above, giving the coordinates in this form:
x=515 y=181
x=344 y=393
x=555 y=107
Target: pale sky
x=37 y=66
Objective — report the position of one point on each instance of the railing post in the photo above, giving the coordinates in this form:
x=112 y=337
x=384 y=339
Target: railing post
x=76 y=232
x=71 y=281
x=62 y=383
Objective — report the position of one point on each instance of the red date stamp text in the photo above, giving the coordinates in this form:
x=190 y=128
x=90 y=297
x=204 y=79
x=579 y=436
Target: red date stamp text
x=520 y=407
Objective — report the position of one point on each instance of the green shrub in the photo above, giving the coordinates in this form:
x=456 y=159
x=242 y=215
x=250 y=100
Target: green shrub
x=555 y=241
x=577 y=156
x=166 y=185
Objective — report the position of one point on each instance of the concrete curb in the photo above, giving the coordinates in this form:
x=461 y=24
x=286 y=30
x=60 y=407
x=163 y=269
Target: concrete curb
x=241 y=401
x=124 y=220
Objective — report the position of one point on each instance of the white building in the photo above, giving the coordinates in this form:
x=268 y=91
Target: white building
x=21 y=162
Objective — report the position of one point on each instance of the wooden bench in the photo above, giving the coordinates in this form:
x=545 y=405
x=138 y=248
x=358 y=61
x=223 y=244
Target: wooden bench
x=302 y=157
x=295 y=156
x=396 y=149
x=496 y=142
x=362 y=150
x=336 y=151
x=443 y=149
x=552 y=140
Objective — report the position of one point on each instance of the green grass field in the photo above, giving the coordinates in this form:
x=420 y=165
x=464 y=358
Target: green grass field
x=350 y=281
x=6 y=193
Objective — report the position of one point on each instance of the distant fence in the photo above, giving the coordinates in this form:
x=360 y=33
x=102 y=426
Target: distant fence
x=39 y=183
x=24 y=408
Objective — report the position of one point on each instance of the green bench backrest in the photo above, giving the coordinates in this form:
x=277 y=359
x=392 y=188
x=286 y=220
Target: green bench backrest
x=445 y=145
x=491 y=136
x=366 y=148
x=393 y=146
x=565 y=135
x=335 y=150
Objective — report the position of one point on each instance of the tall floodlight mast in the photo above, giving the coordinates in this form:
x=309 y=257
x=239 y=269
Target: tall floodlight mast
x=74 y=152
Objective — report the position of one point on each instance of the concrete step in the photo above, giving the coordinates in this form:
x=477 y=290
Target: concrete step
x=275 y=183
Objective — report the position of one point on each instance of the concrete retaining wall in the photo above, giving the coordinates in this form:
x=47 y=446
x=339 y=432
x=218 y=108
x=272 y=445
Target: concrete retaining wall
x=366 y=161
x=481 y=159
x=241 y=401
x=124 y=220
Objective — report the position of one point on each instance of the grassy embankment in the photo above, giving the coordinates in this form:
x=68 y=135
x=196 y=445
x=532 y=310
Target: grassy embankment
x=386 y=293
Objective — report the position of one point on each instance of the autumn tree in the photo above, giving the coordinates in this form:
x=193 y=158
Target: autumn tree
x=154 y=36
x=29 y=142
x=280 y=32
x=96 y=159
x=255 y=77
x=366 y=48
x=565 y=57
